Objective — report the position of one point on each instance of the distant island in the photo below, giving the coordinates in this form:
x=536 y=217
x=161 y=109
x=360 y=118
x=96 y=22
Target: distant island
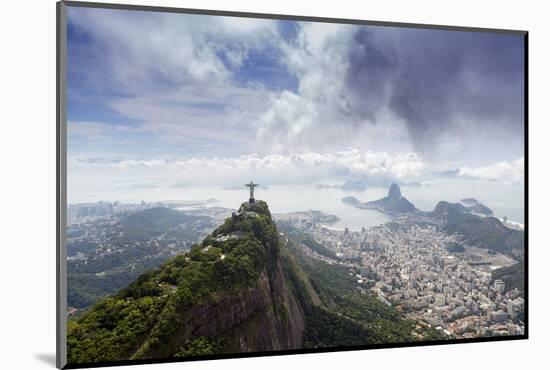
x=393 y=203
x=348 y=185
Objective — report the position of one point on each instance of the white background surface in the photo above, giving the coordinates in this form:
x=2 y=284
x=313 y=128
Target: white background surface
x=27 y=205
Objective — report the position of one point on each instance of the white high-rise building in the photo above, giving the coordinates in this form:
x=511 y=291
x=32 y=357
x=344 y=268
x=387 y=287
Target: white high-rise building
x=499 y=286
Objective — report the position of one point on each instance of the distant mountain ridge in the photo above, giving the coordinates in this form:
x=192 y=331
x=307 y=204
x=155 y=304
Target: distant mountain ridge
x=485 y=232
x=348 y=185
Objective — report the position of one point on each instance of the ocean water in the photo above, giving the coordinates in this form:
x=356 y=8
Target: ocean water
x=504 y=199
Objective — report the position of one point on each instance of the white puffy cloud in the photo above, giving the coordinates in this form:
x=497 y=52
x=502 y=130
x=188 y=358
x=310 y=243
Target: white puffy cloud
x=181 y=48
x=171 y=74
x=312 y=115
x=507 y=172
x=322 y=113
x=269 y=169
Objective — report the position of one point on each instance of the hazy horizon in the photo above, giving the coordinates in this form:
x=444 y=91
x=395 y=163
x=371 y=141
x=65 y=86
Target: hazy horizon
x=303 y=197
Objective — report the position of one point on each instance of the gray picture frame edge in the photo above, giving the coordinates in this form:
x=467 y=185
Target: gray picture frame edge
x=61 y=187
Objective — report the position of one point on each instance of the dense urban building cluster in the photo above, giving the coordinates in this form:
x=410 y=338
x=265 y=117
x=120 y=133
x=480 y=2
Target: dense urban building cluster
x=409 y=265
x=106 y=236
x=84 y=212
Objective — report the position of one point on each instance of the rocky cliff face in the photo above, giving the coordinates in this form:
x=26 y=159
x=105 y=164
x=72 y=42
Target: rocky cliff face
x=276 y=321
x=230 y=294
x=260 y=317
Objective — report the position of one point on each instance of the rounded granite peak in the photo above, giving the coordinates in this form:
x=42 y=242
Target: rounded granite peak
x=395 y=192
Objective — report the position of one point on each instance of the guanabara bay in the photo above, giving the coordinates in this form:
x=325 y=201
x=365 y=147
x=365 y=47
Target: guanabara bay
x=246 y=287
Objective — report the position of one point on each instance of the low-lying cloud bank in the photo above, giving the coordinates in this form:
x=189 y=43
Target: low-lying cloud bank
x=307 y=167
x=509 y=172
x=374 y=168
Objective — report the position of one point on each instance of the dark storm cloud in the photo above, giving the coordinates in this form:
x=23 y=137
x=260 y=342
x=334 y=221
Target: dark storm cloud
x=371 y=69
x=437 y=80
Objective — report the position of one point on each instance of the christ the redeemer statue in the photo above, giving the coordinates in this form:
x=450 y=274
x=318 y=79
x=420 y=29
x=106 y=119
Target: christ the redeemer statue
x=251 y=186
